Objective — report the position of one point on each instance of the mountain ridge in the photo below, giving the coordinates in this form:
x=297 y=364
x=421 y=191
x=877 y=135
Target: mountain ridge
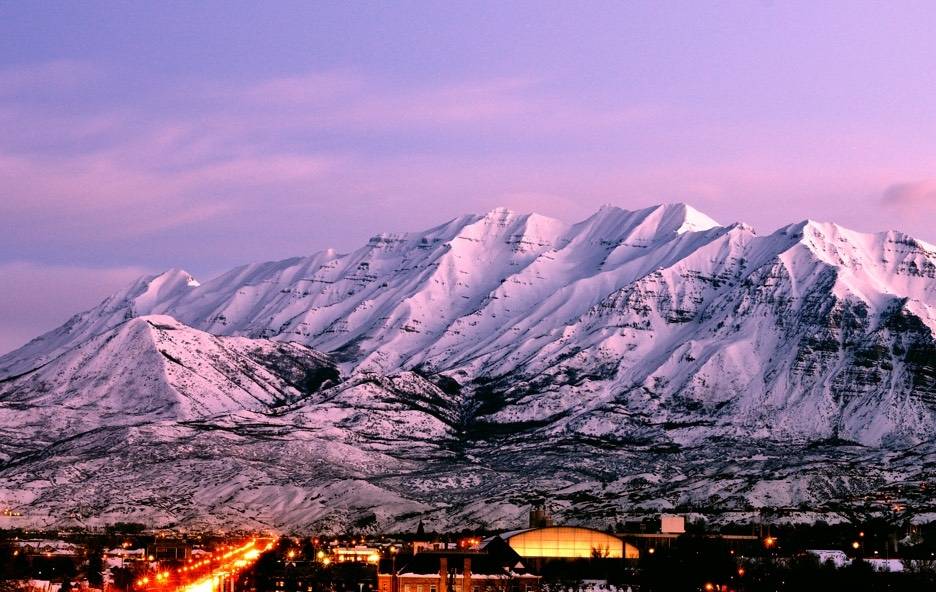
x=628 y=334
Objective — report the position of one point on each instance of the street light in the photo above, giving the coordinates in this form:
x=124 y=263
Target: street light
x=393 y=577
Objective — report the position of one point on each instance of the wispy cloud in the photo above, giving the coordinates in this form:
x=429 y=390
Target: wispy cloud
x=304 y=89
x=46 y=76
x=913 y=196
x=287 y=153
x=136 y=170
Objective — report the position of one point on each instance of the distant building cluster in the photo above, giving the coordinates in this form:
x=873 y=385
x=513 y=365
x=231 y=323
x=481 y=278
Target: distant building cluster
x=514 y=560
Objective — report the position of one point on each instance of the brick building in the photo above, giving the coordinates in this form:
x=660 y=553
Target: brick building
x=459 y=572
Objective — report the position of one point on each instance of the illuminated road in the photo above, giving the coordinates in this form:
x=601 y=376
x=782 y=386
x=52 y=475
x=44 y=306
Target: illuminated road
x=205 y=574
x=230 y=563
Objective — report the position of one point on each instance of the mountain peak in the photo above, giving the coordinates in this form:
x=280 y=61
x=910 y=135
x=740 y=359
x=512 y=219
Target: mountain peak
x=689 y=219
x=150 y=291
x=653 y=325
x=175 y=274
x=500 y=212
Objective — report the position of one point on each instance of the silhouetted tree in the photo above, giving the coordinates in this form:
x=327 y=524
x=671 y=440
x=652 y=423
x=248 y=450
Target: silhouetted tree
x=95 y=572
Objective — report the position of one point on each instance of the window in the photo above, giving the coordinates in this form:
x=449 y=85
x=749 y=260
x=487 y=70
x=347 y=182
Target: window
x=476 y=589
x=408 y=588
x=418 y=587
x=432 y=588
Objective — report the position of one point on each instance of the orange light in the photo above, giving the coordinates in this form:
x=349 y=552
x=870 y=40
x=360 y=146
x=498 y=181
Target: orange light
x=709 y=586
x=855 y=545
x=741 y=571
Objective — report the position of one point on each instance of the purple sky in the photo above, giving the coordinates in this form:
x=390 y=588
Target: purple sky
x=140 y=136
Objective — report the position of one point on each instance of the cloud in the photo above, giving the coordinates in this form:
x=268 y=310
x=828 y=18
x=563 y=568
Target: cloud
x=303 y=89
x=911 y=196
x=305 y=143
x=228 y=172
x=45 y=76
x=351 y=102
x=37 y=297
x=126 y=193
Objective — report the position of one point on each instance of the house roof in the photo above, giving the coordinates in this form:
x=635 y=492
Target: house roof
x=482 y=564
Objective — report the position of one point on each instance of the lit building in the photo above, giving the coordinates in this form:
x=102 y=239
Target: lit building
x=568 y=542
x=672 y=523
x=357 y=554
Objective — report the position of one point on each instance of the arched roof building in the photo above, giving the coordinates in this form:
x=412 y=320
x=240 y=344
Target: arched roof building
x=568 y=542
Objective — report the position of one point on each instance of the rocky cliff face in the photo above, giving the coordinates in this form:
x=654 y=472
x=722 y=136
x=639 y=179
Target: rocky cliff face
x=635 y=359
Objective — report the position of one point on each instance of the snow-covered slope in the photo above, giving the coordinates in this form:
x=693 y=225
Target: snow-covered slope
x=514 y=339
x=147 y=295
x=153 y=368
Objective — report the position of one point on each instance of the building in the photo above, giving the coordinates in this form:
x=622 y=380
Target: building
x=420 y=546
x=496 y=568
x=568 y=542
x=672 y=523
x=167 y=549
x=836 y=557
x=357 y=554
x=539 y=518
x=458 y=572
x=650 y=536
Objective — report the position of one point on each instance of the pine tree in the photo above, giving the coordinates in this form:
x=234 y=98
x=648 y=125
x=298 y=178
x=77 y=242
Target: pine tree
x=96 y=567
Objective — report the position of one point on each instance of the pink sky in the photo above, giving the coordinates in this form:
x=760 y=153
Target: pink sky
x=137 y=138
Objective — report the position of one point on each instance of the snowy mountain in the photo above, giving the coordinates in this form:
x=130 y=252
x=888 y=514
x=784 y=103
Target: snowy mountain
x=152 y=369
x=664 y=359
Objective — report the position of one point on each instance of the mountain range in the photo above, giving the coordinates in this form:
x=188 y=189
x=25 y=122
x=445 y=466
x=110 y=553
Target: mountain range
x=633 y=362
